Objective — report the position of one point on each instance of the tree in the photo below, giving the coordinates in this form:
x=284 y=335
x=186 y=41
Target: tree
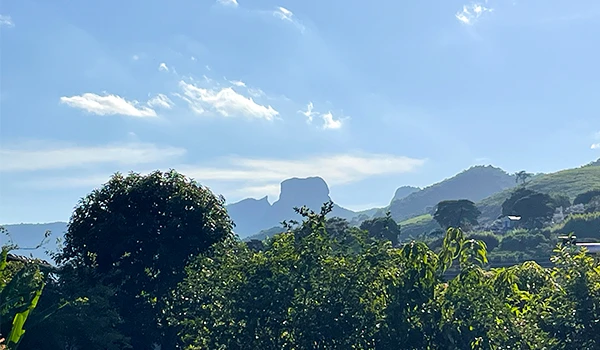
x=522 y=176
x=534 y=208
x=586 y=197
x=383 y=228
x=561 y=200
x=136 y=234
x=456 y=213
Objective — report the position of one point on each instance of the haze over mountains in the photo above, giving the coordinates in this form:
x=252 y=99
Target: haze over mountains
x=488 y=186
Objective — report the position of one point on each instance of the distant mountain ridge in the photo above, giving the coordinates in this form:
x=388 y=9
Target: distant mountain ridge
x=488 y=186
x=475 y=184
x=253 y=215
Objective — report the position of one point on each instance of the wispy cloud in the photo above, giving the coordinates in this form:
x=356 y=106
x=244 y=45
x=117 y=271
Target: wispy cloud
x=6 y=21
x=231 y=3
x=108 y=105
x=224 y=101
x=329 y=122
x=308 y=113
x=44 y=155
x=160 y=101
x=237 y=177
x=472 y=12
x=287 y=15
x=595 y=146
x=163 y=67
x=238 y=83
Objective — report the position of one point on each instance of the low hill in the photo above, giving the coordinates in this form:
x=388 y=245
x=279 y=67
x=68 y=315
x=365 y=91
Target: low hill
x=570 y=182
x=474 y=184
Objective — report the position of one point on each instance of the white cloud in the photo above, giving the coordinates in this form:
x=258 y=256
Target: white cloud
x=226 y=102
x=270 y=190
x=595 y=146
x=287 y=15
x=309 y=114
x=471 y=13
x=6 y=21
x=238 y=83
x=283 y=13
x=237 y=178
x=107 y=105
x=335 y=169
x=163 y=67
x=39 y=155
x=135 y=57
x=232 y=3
x=160 y=101
x=329 y=122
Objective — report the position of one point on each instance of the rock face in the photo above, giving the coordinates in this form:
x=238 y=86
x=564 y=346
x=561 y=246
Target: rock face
x=252 y=215
x=295 y=192
x=404 y=191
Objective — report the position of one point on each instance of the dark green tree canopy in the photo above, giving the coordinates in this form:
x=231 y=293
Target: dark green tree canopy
x=383 y=228
x=586 y=197
x=456 y=213
x=139 y=232
x=533 y=207
x=561 y=200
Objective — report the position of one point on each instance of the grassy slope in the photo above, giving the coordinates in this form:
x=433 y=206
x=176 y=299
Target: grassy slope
x=418 y=225
x=569 y=182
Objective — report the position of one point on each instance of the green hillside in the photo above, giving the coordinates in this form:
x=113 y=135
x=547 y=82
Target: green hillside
x=570 y=182
x=473 y=184
x=418 y=225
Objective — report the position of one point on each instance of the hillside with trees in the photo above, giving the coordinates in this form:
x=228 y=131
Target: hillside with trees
x=570 y=183
x=473 y=184
x=152 y=262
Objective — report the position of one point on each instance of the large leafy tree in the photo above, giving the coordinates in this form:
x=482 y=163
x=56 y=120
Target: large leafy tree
x=586 y=197
x=533 y=207
x=382 y=228
x=137 y=233
x=456 y=213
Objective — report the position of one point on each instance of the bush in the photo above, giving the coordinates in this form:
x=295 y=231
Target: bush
x=522 y=240
x=582 y=225
x=491 y=240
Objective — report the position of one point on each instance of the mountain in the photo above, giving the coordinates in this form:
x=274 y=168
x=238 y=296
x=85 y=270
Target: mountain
x=253 y=215
x=475 y=184
x=570 y=182
x=403 y=192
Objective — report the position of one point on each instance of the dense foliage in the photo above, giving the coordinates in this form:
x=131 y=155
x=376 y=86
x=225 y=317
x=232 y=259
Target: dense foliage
x=151 y=260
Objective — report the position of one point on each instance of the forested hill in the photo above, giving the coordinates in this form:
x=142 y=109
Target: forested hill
x=473 y=184
x=570 y=182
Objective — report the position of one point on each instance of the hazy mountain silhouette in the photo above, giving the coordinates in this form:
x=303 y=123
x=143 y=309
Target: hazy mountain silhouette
x=474 y=184
x=253 y=215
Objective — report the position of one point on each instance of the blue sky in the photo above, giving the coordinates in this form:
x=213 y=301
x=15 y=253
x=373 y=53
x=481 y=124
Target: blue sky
x=244 y=94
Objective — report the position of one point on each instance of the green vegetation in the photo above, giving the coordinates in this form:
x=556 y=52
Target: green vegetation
x=456 y=213
x=418 y=227
x=584 y=226
x=151 y=260
x=570 y=183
